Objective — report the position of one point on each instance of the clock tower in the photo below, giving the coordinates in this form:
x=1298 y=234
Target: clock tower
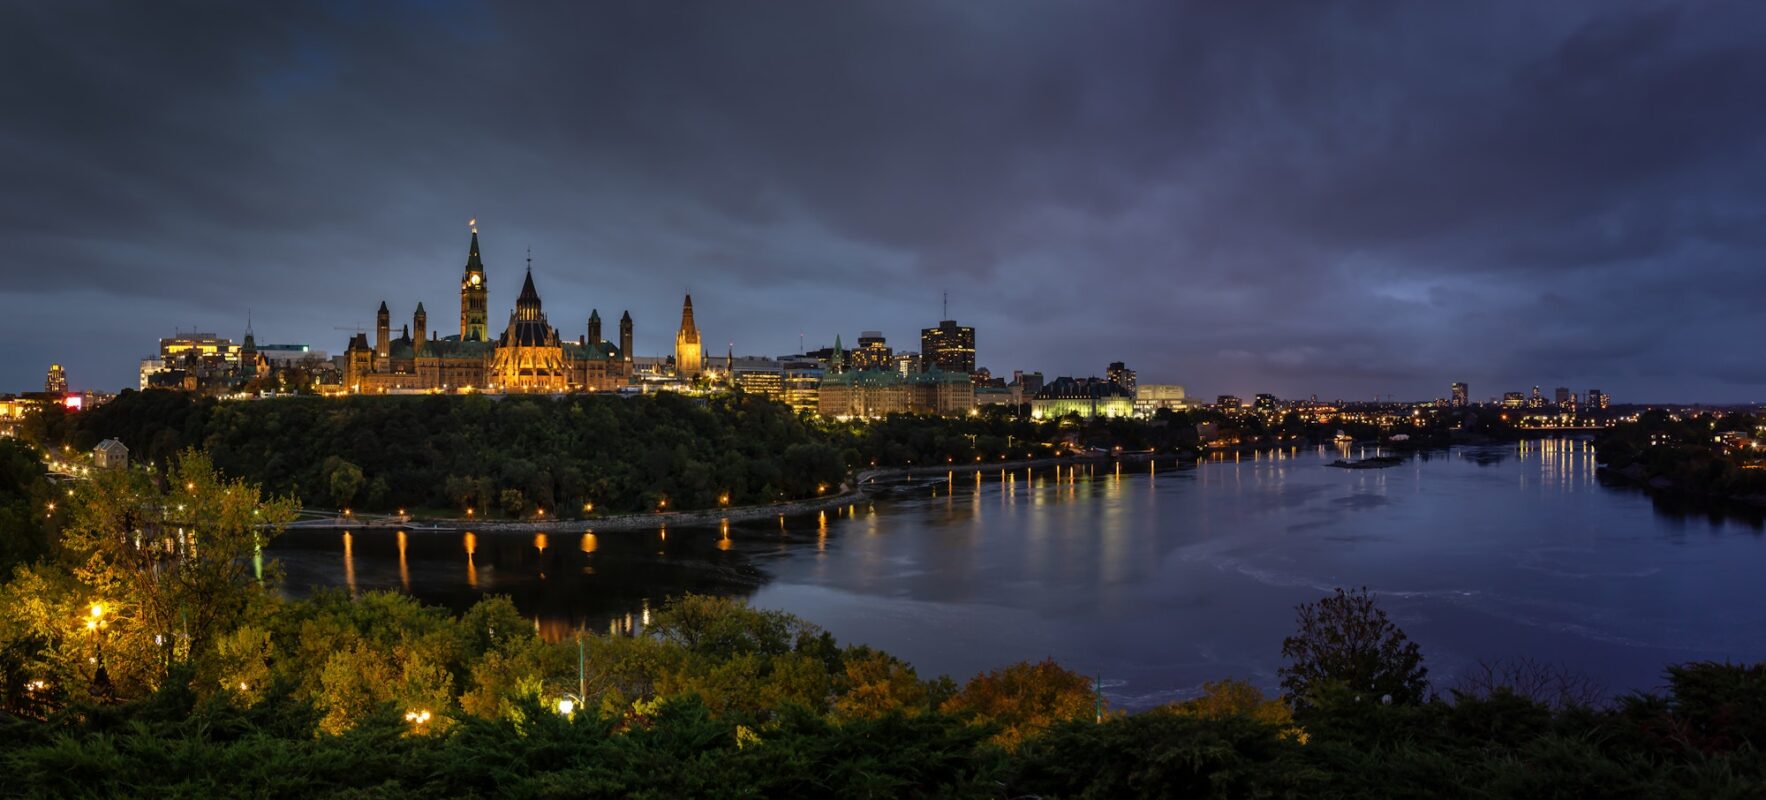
x=474 y=295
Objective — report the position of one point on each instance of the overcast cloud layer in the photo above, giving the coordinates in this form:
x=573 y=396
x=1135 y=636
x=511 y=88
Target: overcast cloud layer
x=1341 y=199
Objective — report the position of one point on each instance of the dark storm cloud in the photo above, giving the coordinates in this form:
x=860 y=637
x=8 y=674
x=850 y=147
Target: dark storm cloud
x=1349 y=199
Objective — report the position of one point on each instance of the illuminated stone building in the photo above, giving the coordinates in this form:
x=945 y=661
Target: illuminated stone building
x=56 y=382
x=876 y=393
x=1088 y=397
x=529 y=356
x=689 y=355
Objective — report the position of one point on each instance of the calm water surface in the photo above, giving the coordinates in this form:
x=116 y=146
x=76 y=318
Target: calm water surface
x=1154 y=577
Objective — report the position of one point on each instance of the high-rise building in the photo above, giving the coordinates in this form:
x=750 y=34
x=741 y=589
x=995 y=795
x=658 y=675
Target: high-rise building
x=872 y=353
x=802 y=380
x=1122 y=375
x=1562 y=397
x=1598 y=399
x=1462 y=395
x=949 y=347
x=1514 y=400
x=1536 y=400
x=1227 y=402
x=689 y=357
x=56 y=382
x=1264 y=403
x=1028 y=383
x=907 y=363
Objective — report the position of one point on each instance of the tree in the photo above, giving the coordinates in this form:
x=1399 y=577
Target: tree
x=1024 y=699
x=343 y=479
x=1346 y=640
x=876 y=684
x=168 y=564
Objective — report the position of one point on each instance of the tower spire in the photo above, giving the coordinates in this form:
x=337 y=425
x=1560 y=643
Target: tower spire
x=474 y=294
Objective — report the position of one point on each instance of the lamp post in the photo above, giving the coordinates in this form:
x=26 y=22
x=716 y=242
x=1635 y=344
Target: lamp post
x=100 y=676
x=568 y=704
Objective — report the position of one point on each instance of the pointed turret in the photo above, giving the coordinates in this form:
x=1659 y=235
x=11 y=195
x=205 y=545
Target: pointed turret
x=837 y=362
x=527 y=305
x=594 y=327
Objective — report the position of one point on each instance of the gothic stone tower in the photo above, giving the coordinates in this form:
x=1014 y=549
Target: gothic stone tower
x=474 y=296
x=594 y=327
x=689 y=358
x=419 y=327
x=382 y=332
x=625 y=337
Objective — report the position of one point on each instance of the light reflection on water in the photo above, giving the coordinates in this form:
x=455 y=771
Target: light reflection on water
x=1159 y=578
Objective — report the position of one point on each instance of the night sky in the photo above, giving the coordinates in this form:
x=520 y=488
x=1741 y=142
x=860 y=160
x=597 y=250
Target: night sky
x=1342 y=199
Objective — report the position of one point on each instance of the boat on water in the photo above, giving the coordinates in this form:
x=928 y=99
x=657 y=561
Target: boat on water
x=1343 y=438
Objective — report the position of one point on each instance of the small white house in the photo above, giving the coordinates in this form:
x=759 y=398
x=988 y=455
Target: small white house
x=110 y=454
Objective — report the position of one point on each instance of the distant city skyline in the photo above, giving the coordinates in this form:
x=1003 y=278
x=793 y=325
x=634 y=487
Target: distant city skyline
x=1299 y=199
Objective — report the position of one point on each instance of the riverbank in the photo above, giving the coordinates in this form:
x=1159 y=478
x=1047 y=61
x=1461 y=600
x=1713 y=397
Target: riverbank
x=858 y=490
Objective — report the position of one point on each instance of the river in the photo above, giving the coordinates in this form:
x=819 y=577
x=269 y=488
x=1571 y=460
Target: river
x=1158 y=577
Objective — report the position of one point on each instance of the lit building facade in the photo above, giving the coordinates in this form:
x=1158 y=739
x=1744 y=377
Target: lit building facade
x=529 y=356
x=1150 y=398
x=1088 y=398
x=689 y=353
x=1122 y=375
x=803 y=385
x=876 y=393
x=873 y=353
x=949 y=347
x=1462 y=395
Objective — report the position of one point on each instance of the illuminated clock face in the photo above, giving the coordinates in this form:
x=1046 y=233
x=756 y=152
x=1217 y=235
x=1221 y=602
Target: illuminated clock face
x=475 y=280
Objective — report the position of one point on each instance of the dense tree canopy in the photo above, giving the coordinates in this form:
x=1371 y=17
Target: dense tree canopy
x=514 y=455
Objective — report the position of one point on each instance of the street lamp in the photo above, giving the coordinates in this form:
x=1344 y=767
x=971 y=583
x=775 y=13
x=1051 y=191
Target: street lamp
x=567 y=704
x=95 y=624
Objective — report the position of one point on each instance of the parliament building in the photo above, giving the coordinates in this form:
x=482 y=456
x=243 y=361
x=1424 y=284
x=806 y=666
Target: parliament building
x=528 y=356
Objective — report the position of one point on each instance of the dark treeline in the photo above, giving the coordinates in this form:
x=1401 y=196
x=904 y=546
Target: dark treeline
x=513 y=456
x=517 y=456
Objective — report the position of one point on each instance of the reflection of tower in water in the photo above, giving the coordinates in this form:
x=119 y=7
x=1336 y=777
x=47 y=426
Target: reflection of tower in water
x=349 y=563
x=404 y=567
x=471 y=542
